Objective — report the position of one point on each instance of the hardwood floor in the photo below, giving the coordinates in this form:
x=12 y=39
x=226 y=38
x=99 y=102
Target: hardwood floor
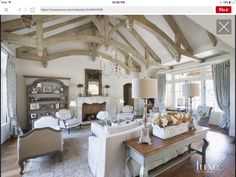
x=220 y=158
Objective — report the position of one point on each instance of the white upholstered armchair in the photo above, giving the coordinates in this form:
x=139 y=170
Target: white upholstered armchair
x=67 y=120
x=126 y=113
x=202 y=115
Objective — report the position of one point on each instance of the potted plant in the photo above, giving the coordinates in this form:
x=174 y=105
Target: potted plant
x=80 y=86
x=107 y=89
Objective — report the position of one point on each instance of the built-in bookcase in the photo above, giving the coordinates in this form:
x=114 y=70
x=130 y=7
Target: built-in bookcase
x=45 y=97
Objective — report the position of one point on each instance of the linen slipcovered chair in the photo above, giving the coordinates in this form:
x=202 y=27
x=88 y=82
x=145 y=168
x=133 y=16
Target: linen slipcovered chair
x=43 y=139
x=202 y=115
x=126 y=113
x=68 y=121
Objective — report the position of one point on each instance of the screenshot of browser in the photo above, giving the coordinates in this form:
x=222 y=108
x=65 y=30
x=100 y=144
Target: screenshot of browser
x=118 y=88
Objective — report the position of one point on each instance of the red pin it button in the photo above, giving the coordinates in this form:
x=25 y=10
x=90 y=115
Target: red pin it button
x=223 y=9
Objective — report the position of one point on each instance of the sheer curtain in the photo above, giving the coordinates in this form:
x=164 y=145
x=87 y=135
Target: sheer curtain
x=221 y=81
x=11 y=93
x=161 y=80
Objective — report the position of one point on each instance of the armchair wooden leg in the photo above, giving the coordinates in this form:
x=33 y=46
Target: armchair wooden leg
x=61 y=156
x=21 y=164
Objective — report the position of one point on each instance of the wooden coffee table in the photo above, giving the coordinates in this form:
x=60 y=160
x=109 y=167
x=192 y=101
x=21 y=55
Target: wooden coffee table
x=148 y=156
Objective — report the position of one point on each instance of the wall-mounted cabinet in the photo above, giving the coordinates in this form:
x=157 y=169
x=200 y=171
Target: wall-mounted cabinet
x=45 y=97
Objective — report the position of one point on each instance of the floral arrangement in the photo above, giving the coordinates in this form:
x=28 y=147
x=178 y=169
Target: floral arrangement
x=171 y=118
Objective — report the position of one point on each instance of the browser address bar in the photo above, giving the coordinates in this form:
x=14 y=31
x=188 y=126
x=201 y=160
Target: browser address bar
x=125 y=10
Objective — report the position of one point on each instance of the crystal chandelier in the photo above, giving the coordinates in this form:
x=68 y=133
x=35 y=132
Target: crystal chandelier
x=113 y=67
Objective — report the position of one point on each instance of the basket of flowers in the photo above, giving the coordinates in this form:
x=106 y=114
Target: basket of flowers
x=169 y=124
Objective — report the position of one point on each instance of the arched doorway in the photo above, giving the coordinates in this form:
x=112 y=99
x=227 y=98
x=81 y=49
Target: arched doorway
x=127 y=94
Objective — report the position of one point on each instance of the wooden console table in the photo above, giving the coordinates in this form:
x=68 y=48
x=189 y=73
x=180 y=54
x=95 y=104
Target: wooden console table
x=149 y=155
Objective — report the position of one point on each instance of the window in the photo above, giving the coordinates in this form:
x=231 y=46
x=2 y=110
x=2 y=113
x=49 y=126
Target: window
x=178 y=93
x=210 y=95
x=202 y=76
x=169 y=95
x=3 y=87
x=197 y=99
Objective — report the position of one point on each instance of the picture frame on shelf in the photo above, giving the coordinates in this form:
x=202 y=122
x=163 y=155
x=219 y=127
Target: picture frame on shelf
x=34 y=90
x=52 y=106
x=47 y=89
x=44 y=106
x=33 y=115
x=56 y=90
x=34 y=106
x=57 y=105
x=62 y=105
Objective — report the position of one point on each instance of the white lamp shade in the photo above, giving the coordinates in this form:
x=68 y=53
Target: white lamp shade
x=190 y=90
x=144 y=88
x=72 y=103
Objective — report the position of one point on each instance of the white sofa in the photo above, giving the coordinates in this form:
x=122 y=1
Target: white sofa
x=107 y=153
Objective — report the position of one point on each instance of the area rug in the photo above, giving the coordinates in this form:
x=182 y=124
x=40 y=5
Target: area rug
x=75 y=162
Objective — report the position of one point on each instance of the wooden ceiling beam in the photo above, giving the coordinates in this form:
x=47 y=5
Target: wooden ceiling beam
x=18 y=39
x=16 y=24
x=127 y=42
x=143 y=43
x=106 y=30
x=212 y=38
x=162 y=36
x=30 y=56
x=67 y=32
x=115 y=28
x=39 y=38
x=45 y=58
x=98 y=24
x=59 y=25
x=96 y=39
x=181 y=39
x=130 y=60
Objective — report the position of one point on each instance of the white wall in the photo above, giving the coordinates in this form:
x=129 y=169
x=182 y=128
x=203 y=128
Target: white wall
x=72 y=67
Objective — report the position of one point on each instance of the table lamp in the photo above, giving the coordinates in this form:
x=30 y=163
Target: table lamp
x=145 y=89
x=190 y=90
x=73 y=104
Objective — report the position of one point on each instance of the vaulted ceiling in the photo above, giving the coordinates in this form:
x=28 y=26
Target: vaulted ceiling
x=149 y=41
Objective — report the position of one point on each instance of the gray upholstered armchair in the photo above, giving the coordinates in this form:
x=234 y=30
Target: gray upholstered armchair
x=202 y=115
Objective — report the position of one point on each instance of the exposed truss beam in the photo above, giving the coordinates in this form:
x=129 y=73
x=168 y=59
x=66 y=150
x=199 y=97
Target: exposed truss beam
x=39 y=38
x=59 y=25
x=96 y=39
x=139 y=38
x=179 y=35
x=115 y=28
x=162 y=36
x=212 y=38
x=18 y=39
x=70 y=31
x=16 y=24
x=98 y=24
x=54 y=56
x=127 y=42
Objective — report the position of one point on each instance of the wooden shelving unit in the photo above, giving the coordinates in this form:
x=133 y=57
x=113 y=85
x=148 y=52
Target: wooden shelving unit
x=46 y=96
